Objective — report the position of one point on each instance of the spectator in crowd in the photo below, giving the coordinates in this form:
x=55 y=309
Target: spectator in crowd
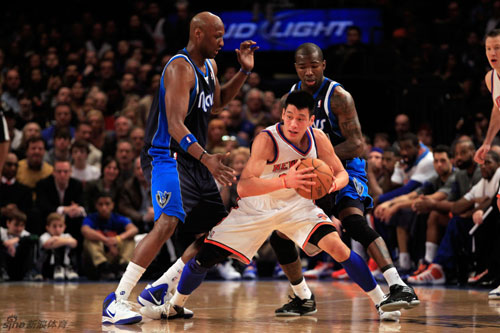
x=108 y=238
x=401 y=126
x=98 y=134
x=380 y=184
x=381 y=140
x=125 y=157
x=55 y=250
x=32 y=169
x=254 y=106
x=397 y=212
x=62 y=119
x=26 y=113
x=83 y=132
x=13 y=195
x=62 y=194
x=466 y=177
x=216 y=130
x=17 y=249
x=137 y=138
x=134 y=200
x=121 y=131
x=12 y=91
x=374 y=169
x=61 y=149
x=424 y=135
x=80 y=168
x=454 y=253
x=239 y=125
x=237 y=160
x=109 y=182
x=29 y=130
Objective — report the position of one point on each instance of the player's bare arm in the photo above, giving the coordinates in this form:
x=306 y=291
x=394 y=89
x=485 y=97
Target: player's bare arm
x=179 y=78
x=262 y=151
x=326 y=152
x=224 y=94
x=493 y=127
x=342 y=105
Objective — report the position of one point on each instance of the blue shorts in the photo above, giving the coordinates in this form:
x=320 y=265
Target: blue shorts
x=165 y=188
x=357 y=187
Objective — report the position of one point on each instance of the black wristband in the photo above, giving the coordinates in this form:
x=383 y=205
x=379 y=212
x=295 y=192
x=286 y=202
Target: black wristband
x=201 y=156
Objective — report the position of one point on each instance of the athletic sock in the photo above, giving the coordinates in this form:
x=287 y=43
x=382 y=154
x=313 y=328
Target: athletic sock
x=430 y=251
x=359 y=272
x=377 y=295
x=172 y=275
x=392 y=277
x=191 y=278
x=302 y=290
x=128 y=281
x=404 y=260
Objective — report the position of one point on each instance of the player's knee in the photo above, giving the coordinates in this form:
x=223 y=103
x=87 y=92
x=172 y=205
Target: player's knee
x=210 y=255
x=285 y=249
x=333 y=245
x=164 y=227
x=357 y=227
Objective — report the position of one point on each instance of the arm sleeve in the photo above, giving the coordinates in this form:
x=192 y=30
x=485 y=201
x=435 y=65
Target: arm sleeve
x=410 y=186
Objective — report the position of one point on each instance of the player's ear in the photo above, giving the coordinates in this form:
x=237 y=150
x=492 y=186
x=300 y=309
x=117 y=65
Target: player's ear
x=311 y=120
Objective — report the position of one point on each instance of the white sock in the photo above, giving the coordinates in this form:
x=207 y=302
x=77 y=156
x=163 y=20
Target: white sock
x=171 y=276
x=128 y=281
x=404 y=260
x=391 y=275
x=430 y=251
x=302 y=290
x=179 y=299
x=376 y=294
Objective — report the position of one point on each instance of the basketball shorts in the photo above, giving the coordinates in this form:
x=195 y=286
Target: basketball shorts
x=356 y=189
x=248 y=226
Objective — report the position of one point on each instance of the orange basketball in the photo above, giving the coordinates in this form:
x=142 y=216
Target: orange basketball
x=323 y=180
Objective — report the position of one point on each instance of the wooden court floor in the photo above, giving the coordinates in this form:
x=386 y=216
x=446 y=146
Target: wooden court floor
x=245 y=307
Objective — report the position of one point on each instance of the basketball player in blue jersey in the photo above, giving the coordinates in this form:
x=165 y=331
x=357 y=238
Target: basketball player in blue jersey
x=174 y=159
x=270 y=202
x=336 y=115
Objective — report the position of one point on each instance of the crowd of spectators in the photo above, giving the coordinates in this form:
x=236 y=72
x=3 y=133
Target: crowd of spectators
x=76 y=94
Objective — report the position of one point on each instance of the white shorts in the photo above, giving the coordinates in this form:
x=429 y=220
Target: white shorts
x=247 y=227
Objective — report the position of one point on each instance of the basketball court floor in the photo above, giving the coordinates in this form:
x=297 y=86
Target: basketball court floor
x=246 y=306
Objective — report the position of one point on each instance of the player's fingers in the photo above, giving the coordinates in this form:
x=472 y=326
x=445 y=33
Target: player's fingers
x=307 y=175
x=305 y=170
x=305 y=182
x=306 y=189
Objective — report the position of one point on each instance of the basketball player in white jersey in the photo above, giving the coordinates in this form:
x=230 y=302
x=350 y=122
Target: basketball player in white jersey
x=269 y=202
x=492 y=80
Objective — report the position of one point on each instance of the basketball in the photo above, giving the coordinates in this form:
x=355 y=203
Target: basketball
x=323 y=180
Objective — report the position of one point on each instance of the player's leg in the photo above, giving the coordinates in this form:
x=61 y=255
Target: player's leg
x=192 y=276
x=161 y=290
x=116 y=310
x=326 y=238
x=303 y=302
x=354 y=222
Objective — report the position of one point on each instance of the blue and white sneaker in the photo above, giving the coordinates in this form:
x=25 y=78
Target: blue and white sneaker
x=118 y=312
x=166 y=311
x=154 y=296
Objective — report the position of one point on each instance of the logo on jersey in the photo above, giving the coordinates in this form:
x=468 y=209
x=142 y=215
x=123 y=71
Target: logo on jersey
x=205 y=102
x=284 y=166
x=163 y=198
x=322 y=216
x=319 y=123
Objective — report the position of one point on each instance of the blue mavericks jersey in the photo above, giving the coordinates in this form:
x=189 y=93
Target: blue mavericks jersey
x=158 y=142
x=325 y=120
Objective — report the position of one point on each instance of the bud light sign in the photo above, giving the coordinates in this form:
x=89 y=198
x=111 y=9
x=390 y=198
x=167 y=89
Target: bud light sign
x=290 y=28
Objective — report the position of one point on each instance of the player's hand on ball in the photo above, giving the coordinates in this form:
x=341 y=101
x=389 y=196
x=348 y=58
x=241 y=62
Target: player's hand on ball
x=300 y=179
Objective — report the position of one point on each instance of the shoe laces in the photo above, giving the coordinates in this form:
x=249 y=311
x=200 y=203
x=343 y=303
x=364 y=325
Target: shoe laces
x=123 y=304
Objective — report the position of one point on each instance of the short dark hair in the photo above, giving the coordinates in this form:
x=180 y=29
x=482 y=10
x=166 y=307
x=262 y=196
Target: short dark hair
x=63 y=133
x=104 y=194
x=493 y=33
x=392 y=149
x=17 y=215
x=443 y=149
x=494 y=155
x=80 y=144
x=308 y=49
x=409 y=137
x=301 y=99
x=34 y=139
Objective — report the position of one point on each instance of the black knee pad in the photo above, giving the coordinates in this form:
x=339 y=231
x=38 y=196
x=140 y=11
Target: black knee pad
x=358 y=229
x=211 y=255
x=285 y=249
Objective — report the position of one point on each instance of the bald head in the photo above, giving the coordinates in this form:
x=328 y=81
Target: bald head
x=308 y=49
x=203 y=21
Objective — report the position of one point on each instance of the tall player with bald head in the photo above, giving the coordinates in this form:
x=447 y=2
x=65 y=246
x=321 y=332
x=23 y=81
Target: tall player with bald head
x=176 y=163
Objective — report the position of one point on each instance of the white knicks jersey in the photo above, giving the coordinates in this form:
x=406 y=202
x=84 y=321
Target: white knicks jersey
x=286 y=154
x=495 y=88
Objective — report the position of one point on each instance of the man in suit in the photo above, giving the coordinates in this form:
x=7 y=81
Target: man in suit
x=12 y=193
x=62 y=194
